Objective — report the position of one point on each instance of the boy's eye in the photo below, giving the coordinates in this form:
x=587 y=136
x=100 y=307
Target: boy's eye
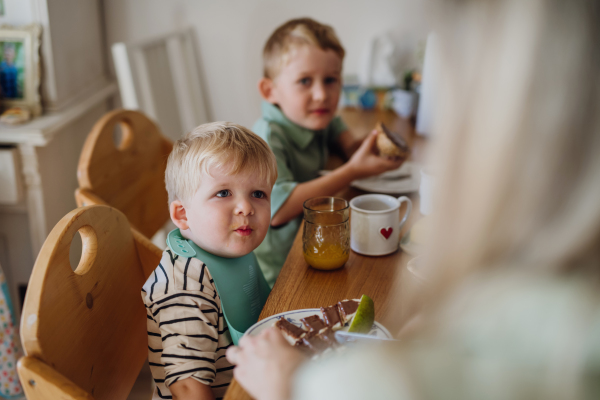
x=330 y=80
x=223 y=193
x=304 y=81
x=259 y=194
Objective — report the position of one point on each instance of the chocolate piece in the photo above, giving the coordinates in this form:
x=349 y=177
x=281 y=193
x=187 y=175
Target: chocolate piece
x=310 y=334
x=320 y=335
x=395 y=138
x=313 y=323
x=331 y=316
x=328 y=335
x=291 y=332
x=348 y=309
x=320 y=341
x=316 y=343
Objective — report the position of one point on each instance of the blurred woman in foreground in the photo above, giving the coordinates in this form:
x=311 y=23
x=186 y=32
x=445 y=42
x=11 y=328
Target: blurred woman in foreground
x=512 y=305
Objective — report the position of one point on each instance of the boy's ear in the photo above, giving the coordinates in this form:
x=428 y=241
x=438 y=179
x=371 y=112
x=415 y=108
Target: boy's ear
x=178 y=215
x=265 y=88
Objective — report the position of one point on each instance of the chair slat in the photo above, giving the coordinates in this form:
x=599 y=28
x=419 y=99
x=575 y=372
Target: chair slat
x=41 y=382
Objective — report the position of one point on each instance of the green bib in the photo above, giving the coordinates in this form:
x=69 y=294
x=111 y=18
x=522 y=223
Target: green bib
x=239 y=281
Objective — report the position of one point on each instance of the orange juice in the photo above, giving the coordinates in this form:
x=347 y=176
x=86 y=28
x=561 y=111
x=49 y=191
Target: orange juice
x=326 y=234
x=327 y=256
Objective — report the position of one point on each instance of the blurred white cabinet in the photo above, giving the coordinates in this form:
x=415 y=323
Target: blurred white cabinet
x=46 y=152
x=11 y=191
x=76 y=91
x=160 y=77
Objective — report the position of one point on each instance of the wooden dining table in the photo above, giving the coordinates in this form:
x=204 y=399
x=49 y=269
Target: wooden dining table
x=299 y=286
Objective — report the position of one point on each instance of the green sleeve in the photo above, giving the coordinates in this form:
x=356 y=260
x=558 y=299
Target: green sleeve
x=336 y=127
x=286 y=181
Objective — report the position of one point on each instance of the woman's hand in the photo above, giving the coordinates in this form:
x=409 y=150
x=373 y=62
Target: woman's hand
x=365 y=162
x=265 y=365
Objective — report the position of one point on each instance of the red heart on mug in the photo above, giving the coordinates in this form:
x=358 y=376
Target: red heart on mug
x=386 y=232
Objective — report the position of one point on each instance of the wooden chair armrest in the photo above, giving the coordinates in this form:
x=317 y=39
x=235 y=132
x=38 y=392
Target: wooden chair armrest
x=148 y=252
x=40 y=381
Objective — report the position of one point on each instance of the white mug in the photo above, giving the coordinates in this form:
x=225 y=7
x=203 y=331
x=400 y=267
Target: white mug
x=375 y=223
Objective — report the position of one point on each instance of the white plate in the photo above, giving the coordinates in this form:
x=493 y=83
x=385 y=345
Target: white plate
x=405 y=179
x=295 y=316
x=405 y=171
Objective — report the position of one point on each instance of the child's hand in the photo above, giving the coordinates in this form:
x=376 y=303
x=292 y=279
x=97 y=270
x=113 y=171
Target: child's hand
x=364 y=162
x=265 y=364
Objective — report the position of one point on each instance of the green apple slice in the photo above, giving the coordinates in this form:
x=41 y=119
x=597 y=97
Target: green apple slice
x=365 y=316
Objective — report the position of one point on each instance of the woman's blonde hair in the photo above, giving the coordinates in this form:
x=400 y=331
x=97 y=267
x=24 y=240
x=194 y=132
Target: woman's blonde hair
x=518 y=138
x=224 y=145
x=295 y=33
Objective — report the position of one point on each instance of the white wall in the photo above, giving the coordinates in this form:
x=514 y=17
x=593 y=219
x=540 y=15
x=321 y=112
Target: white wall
x=231 y=35
x=78 y=63
x=17 y=13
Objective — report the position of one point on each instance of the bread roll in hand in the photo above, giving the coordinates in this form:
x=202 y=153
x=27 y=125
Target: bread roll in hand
x=391 y=144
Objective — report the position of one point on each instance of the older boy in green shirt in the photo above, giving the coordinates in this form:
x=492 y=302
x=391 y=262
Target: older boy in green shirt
x=301 y=88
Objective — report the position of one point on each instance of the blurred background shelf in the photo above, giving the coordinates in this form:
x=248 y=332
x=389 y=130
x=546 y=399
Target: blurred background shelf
x=39 y=158
x=39 y=189
x=41 y=130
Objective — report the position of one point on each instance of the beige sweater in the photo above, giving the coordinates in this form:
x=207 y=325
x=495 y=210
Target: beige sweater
x=501 y=338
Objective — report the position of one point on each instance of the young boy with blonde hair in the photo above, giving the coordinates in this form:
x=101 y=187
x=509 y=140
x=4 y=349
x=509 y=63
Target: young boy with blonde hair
x=208 y=288
x=301 y=88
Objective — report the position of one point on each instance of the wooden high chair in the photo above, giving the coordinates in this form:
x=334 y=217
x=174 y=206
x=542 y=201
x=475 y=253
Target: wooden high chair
x=84 y=331
x=129 y=177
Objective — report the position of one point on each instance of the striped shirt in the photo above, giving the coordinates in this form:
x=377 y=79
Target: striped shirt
x=187 y=334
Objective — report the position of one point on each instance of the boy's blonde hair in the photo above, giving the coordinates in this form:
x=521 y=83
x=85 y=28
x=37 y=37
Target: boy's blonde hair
x=295 y=33
x=216 y=145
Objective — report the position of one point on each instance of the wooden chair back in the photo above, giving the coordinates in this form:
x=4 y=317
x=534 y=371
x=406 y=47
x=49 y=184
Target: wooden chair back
x=129 y=176
x=84 y=331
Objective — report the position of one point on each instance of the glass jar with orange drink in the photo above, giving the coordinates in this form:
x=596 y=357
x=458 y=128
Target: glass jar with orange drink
x=326 y=235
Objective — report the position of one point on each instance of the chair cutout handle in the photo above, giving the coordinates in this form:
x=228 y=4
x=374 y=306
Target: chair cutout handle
x=89 y=248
